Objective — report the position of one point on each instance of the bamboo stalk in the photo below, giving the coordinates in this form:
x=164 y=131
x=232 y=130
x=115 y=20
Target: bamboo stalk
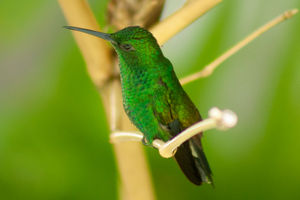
x=173 y=24
x=209 y=69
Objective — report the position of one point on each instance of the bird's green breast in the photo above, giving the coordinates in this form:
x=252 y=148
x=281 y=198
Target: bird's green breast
x=153 y=98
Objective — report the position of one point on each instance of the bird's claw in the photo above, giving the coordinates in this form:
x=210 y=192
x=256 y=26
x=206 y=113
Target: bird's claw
x=145 y=141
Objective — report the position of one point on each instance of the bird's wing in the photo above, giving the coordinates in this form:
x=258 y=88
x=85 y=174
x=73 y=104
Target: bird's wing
x=189 y=155
x=163 y=109
x=172 y=107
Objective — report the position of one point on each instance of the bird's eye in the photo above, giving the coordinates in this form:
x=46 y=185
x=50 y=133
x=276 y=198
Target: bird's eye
x=127 y=47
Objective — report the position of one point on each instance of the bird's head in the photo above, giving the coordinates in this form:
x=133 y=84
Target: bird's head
x=130 y=43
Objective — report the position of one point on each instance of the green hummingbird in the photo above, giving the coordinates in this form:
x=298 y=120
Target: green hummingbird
x=154 y=99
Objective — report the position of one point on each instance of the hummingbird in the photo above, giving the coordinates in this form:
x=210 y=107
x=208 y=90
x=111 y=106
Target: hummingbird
x=154 y=99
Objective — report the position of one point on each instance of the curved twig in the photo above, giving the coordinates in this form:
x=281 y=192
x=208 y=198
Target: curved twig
x=209 y=69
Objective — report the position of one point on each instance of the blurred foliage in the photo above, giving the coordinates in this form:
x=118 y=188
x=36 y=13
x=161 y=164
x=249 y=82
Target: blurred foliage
x=53 y=131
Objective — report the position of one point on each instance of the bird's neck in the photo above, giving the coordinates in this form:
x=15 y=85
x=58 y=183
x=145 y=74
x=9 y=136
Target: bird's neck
x=132 y=71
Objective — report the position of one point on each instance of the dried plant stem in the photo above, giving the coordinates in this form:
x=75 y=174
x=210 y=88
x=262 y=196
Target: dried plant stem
x=130 y=156
x=173 y=24
x=209 y=69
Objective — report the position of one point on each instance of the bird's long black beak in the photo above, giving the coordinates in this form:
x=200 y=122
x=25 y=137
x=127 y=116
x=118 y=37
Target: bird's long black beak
x=104 y=36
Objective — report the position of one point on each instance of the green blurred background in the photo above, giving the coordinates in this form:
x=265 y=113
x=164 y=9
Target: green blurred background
x=53 y=131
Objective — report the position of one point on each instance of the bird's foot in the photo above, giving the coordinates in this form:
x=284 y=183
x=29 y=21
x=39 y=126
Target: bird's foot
x=145 y=141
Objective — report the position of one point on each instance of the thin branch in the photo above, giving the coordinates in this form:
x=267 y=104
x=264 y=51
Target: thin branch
x=209 y=69
x=222 y=120
x=173 y=24
x=121 y=136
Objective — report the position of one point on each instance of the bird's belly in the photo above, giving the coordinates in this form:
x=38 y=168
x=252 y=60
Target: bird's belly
x=136 y=105
x=139 y=108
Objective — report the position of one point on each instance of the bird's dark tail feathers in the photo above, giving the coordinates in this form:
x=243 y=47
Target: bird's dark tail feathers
x=192 y=161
